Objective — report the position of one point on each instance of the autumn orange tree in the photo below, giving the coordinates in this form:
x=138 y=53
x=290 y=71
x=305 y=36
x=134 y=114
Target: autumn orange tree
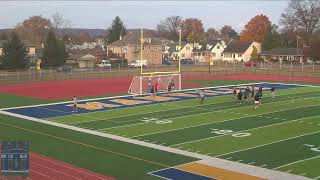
x=192 y=30
x=256 y=29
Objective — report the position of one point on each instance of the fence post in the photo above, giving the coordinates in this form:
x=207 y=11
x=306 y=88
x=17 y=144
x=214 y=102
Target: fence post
x=313 y=67
x=302 y=66
x=280 y=65
x=291 y=66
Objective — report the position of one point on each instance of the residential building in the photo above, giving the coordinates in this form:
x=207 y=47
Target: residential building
x=240 y=50
x=209 y=51
x=129 y=47
x=171 y=50
x=283 y=54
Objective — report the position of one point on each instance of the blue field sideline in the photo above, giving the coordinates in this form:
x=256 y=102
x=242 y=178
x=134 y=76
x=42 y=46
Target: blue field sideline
x=105 y=104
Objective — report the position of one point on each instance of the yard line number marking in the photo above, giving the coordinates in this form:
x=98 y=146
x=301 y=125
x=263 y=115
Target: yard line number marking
x=313 y=147
x=156 y=120
x=228 y=131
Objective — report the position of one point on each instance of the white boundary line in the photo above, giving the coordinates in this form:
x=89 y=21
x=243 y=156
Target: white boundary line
x=260 y=127
x=270 y=173
x=113 y=97
x=207 y=123
x=274 y=142
x=314 y=157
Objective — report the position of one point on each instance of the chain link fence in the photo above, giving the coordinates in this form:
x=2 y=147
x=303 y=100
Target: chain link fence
x=218 y=68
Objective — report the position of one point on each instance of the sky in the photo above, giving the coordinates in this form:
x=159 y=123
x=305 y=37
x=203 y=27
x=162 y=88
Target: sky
x=146 y=14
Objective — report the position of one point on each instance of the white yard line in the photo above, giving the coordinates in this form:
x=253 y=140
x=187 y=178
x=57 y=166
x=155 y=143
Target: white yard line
x=297 y=162
x=274 y=142
x=270 y=125
x=223 y=163
x=205 y=123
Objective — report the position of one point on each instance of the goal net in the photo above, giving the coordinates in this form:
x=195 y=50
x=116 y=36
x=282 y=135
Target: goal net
x=142 y=84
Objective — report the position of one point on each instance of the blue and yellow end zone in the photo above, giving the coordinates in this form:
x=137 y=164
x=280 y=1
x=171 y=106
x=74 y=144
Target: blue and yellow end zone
x=110 y=103
x=201 y=171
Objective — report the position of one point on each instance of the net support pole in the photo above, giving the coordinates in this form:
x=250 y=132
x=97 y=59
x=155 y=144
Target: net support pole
x=180 y=82
x=140 y=83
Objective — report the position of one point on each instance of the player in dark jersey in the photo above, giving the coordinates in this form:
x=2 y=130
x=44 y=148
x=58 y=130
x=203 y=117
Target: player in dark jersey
x=252 y=92
x=272 y=91
x=169 y=88
x=256 y=101
x=240 y=97
x=234 y=92
x=246 y=94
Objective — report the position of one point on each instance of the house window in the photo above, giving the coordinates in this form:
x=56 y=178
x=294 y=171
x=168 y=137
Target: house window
x=149 y=47
x=136 y=48
x=183 y=54
x=218 y=46
x=155 y=56
x=213 y=54
x=156 y=47
x=239 y=55
x=187 y=48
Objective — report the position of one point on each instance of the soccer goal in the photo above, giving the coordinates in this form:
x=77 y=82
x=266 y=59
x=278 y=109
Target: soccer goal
x=141 y=84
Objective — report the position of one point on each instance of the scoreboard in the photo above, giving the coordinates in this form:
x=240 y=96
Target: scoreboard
x=14 y=158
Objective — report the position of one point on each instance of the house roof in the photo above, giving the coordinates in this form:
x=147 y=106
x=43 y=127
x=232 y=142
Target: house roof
x=283 y=51
x=88 y=57
x=173 y=45
x=238 y=46
x=134 y=38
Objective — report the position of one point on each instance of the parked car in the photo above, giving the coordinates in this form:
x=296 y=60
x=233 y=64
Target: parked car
x=64 y=68
x=104 y=64
x=166 y=62
x=187 y=61
x=138 y=63
x=250 y=64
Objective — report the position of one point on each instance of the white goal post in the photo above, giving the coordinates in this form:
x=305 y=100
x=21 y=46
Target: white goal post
x=141 y=84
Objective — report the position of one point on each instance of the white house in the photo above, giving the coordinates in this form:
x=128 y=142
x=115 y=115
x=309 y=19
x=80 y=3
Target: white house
x=209 y=51
x=240 y=50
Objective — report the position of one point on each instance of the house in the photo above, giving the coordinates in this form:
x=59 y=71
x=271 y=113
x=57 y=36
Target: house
x=240 y=50
x=171 y=50
x=129 y=47
x=30 y=47
x=282 y=54
x=87 y=61
x=211 y=50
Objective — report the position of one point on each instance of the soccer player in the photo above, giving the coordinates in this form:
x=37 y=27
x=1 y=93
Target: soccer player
x=169 y=88
x=252 y=92
x=172 y=84
x=256 y=101
x=201 y=96
x=234 y=92
x=152 y=92
x=149 y=85
x=272 y=91
x=240 y=97
x=75 y=104
x=260 y=95
x=156 y=87
x=246 y=94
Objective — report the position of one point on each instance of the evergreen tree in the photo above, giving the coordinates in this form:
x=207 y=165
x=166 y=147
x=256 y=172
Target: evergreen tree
x=116 y=30
x=254 y=54
x=272 y=38
x=54 y=51
x=14 y=53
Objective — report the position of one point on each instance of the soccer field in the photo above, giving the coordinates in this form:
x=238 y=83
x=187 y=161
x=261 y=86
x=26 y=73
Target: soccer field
x=283 y=134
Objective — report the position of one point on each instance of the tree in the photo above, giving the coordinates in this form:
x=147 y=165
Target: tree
x=169 y=28
x=272 y=38
x=302 y=17
x=315 y=46
x=212 y=34
x=228 y=33
x=61 y=25
x=256 y=29
x=254 y=54
x=116 y=30
x=192 y=30
x=4 y=36
x=34 y=29
x=14 y=53
x=54 y=51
